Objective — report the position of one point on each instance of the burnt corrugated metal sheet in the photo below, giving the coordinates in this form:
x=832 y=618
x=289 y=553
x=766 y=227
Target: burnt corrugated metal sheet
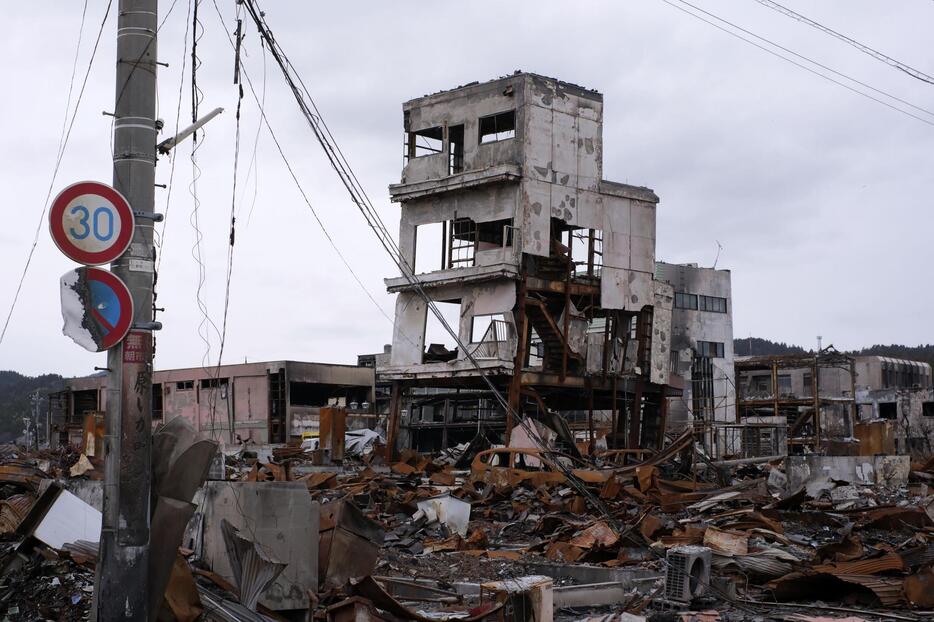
x=889 y=561
x=919 y=556
x=12 y=511
x=890 y=591
x=218 y=609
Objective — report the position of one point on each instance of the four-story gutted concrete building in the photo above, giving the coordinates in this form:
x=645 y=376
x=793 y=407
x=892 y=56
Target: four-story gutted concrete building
x=508 y=222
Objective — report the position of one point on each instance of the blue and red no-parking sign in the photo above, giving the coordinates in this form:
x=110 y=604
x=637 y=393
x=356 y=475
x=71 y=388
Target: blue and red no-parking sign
x=97 y=308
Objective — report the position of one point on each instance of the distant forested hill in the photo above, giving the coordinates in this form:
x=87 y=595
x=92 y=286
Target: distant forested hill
x=757 y=346
x=15 y=391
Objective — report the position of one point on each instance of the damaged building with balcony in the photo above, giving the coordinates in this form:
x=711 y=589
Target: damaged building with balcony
x=544 y=269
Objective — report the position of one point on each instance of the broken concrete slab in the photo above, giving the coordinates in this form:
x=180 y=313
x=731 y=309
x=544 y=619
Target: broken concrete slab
x=281 y=519
x=532 y=595
x=584 y=573
x=591 y=595
x=887 y=471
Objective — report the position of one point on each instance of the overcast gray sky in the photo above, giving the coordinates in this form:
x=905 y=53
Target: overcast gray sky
x=820 y=197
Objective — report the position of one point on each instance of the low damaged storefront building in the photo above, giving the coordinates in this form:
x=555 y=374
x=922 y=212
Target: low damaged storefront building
x=270 y=402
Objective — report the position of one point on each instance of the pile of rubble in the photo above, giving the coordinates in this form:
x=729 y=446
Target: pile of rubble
x=504 y=533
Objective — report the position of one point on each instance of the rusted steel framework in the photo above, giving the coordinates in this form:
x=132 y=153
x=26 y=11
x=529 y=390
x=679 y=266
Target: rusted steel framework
x=803 y=410
x=549 y=380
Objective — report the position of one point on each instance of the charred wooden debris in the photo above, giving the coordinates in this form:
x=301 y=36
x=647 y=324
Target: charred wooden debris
x=493 y=533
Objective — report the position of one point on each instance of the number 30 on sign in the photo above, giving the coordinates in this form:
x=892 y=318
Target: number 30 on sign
x=91 y=223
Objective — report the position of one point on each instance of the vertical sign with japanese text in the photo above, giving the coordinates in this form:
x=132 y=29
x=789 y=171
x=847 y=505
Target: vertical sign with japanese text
x=137 y=393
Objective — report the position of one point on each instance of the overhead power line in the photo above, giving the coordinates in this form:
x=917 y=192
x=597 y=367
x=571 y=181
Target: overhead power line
x=173 y=154
x=260 y=104
x=63 y=144
x=796 y=63
x=813 y=62
x=361 y=200
x=862 y=47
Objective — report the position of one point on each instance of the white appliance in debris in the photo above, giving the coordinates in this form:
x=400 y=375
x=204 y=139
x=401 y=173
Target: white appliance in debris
x=688 y=575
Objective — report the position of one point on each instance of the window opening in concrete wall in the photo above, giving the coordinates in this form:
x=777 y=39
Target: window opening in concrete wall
x=185 y=385
x=85 y=402
x=927 y=409
x=213 y=383
x=425 y=142
x=808 y=385
x=462 y=244
x=317 y=394
x=454 y=243
x=713 y=303
x=888 y=410
x=489 y=328
x=491 y=332
x=712 y=349
x=685 y=301
x=500 y=126
x=494 y=234
x=157 y=401
x=585 y=247
x=429 y=247
x=702 y=391
x=440 y=345
x=784 y=385
x=455 y=149
x=760 y=386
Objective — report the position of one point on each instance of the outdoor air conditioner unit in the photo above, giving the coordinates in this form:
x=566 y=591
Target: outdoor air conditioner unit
x=688 y=573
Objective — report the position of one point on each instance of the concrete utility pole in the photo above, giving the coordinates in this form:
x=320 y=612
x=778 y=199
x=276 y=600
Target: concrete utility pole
x=123 y=571
x=36 y=400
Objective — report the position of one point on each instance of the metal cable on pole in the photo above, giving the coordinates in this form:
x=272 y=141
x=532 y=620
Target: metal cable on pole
x=63 y=143
x=260 y=99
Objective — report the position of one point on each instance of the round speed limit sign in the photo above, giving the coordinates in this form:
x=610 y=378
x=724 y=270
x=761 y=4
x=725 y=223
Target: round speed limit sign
x=91 y=223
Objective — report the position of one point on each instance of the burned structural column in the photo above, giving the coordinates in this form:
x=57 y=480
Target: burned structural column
x=538 y=253
x=815 y=375
x=522 y=344
x=395 y=407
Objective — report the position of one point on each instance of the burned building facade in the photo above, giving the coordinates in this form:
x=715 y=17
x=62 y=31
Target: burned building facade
x=845 y=392
x=701 y=342
x=270 y=402
x=546 y=269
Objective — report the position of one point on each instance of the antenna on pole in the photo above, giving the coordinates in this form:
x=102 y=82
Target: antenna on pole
x=717 y=258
